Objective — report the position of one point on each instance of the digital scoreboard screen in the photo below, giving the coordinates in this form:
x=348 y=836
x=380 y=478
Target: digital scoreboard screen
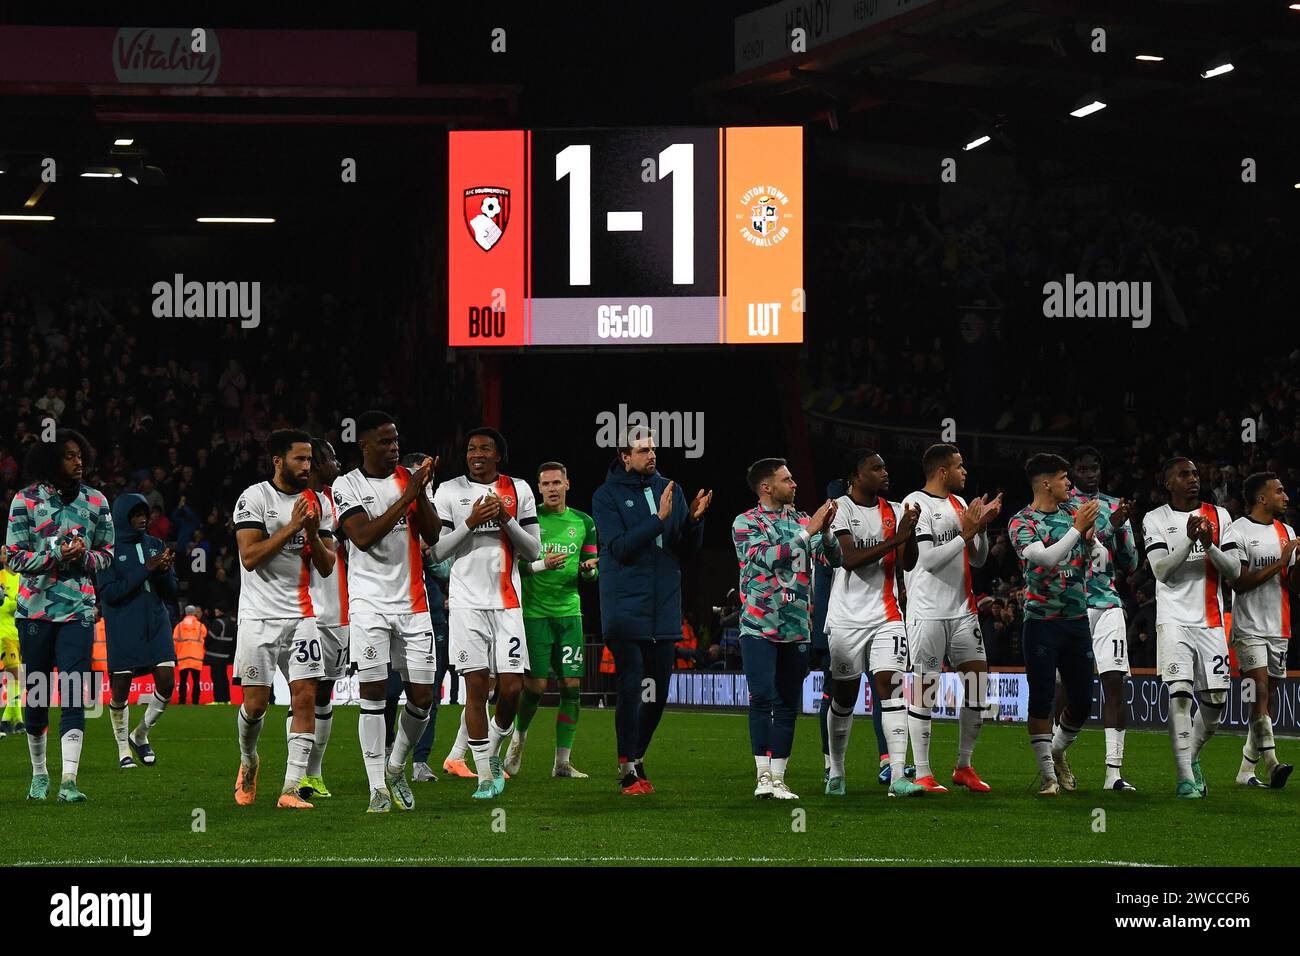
x=625 y=236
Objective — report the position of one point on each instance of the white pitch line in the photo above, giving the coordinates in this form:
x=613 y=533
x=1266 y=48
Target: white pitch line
x=372 y=860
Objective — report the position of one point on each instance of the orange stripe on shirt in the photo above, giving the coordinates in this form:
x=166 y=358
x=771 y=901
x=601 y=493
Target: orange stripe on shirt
x=887 y=525
x=1282 y=578
x=304 y=573
x=340 y=560
x=505 y=489
x=415 y=566
x=965 y=560
x=341 y=572
x=1212 y=616
x=304 y=589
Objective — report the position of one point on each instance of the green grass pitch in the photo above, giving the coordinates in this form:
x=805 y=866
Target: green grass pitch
x=704 y=812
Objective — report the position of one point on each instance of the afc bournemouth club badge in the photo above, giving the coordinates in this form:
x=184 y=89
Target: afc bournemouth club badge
x=487 y=211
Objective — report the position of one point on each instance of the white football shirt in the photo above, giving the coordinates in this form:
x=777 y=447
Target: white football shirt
x=387 y=577
x=1193 y=595
x=947 y=593
x=1264 y=611
x=329 y=596
x=484 y=572
x=280 y=588
x=867 y=595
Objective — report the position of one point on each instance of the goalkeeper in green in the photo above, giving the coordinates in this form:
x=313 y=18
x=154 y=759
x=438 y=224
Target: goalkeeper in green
x=553 y=616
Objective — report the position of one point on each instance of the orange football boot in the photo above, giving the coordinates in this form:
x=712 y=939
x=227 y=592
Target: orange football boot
x=968 y=778
x=931 y=785
x=245 y=790
x=458 y=768
x=290 y=800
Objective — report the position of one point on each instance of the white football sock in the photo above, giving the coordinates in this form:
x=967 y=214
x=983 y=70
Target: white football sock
x=120 y=719
x=893 y=720
x=562 y=754
x=762 y=764
x=969 y=721
x=1205 y=724
x=249 y=731
x=778 y=767
x=1042 y=744
x=296 y=764
x=36 y=749
x=1063 y=737
x=918 y=729
x=1250 y=750
x=410 y=726
x=1114 y=752
x=152 y=712
x=370 y=728
x=1266 y=746
x=70 y=751
x=482 y=750
x=320 y=739
x=497 y=734
x=458 y=749
x=839 y=724
x=1180 y=732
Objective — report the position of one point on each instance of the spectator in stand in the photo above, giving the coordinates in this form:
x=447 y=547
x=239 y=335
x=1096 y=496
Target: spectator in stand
x=688 y=646
x=232 y=384
x=152 y=495
x=51 y=404
x=218 y=652
x=160 y=526
x=186 y=522
x=189 y=637
x=8 y=468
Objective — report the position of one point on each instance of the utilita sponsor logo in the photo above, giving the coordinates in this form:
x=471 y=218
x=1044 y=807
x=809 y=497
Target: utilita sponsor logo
x=164 y=56
x=77 y=909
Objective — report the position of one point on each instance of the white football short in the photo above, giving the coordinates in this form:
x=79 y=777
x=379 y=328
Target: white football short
x=1193 y=653
x=957 y=638
x=334 y=649
x=481 y=639
x=1109 y=639
x=879 y=648
x=405 y=640
x=1257 y=653
x=290 y=645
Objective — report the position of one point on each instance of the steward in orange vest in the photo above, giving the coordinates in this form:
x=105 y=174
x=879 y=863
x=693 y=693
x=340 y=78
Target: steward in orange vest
x=188 y=636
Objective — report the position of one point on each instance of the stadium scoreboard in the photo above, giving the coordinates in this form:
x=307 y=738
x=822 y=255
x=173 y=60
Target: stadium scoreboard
x=625 y=236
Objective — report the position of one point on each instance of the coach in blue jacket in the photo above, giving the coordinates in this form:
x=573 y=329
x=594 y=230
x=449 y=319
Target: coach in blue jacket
x=134 y=592
x=645 y=529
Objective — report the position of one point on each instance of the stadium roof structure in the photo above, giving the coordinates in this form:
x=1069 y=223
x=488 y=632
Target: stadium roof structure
x=144 y=141
x=946 y=69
